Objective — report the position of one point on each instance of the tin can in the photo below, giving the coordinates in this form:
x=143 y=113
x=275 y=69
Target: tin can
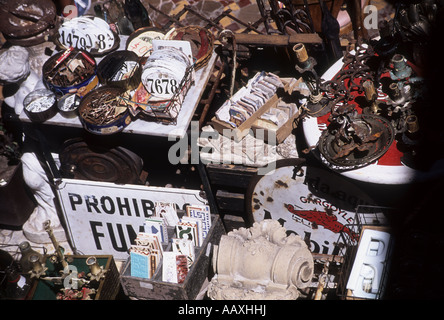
x=92 y=118
x=40 y=105
x=70 y=71
x=121 y=69
x=69 y=105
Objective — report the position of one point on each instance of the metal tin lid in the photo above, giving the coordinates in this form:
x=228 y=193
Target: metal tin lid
x=39 y=100
x=69 y=102
x=120 y=68
x=39 y=105
x=140 y=41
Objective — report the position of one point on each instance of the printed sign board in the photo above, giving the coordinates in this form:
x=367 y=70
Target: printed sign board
x=313 y=203
x=104 y=218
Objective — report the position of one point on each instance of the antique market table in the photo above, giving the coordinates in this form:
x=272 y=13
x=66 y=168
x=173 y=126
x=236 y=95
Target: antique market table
x=143 y=127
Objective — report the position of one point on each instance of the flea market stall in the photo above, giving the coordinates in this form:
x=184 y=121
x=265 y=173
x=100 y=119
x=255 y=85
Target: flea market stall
x=206 y=150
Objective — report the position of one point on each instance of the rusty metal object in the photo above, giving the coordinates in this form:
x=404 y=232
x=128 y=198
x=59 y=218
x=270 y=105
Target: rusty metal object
x=400 y=69
x=103 y=111
x=200 y=39
x=68 y=68
x=355 y=70
x=26 y=18
x=277 y=39
x=27 y=22
x=80 y=160
x=354 y=141
x=414 y=21
x=228 y=39
x=371 y=95
x=412 y=124
x=350 y=78
x=317 y=104
x=288 y=17
x=371 y=100
x=214 y=84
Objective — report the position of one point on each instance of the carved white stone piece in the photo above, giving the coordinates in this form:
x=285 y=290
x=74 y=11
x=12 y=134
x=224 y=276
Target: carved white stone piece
x=260 y=262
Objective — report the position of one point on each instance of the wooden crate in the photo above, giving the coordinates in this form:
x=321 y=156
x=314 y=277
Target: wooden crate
x=156 y=289
x=107 y=288
x=253 y=123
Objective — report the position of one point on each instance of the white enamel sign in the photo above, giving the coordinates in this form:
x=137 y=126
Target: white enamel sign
x=104 y=218
x=315 y=204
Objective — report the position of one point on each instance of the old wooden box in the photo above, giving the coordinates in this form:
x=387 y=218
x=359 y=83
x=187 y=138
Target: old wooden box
x=253 y=123
x=156 y=289
x=106 y=288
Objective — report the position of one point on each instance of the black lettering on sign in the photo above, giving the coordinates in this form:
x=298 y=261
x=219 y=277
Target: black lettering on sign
x=132 y=234
x=110 y=205
x=124 y=206
x=74 y=199
x=136 y=208
x=107 y=204
x=322 y=189
x=282 y=223
x=115 y=233
x=91 y=202
x=312 y=245
x=96 y=234
x=148 y=207
x=123 y=247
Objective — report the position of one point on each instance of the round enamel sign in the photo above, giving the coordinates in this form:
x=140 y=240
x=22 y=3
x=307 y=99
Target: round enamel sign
x=140 y=41
x=88 y=33
x=314 y=203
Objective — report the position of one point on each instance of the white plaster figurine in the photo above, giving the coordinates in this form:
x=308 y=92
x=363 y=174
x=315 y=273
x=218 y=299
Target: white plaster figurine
x=15 y=68
x=260 y=263
x=37 y=180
